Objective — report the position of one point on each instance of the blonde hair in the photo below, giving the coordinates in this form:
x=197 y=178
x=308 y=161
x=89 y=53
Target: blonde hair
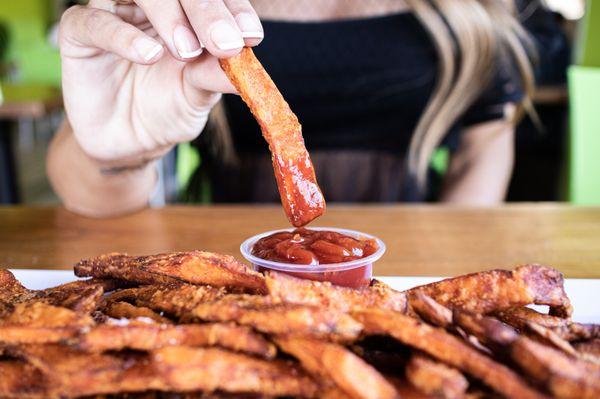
x=468 y=36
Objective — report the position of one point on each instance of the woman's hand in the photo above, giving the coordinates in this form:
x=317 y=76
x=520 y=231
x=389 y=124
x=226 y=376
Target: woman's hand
x=136 y=79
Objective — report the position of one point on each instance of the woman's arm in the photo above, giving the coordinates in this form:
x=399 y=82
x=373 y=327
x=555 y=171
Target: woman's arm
x=480 y=170
x=87 y=187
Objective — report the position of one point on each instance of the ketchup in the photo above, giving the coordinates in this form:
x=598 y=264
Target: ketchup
x=312 y=247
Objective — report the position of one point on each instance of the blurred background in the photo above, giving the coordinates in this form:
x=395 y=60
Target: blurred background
x=557 y=161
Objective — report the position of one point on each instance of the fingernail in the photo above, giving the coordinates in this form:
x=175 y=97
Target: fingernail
x=149 y=49
x=186 y=42
x=225 y=36
x=250 y=26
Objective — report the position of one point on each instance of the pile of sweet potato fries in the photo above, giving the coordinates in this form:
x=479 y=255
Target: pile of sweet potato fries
x=202 y=325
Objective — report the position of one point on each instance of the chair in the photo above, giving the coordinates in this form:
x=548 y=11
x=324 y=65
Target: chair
x=584 y=86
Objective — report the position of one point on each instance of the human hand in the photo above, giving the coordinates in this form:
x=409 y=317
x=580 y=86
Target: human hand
x=136 y=79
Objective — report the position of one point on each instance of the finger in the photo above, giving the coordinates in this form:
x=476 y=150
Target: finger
x=129 y=13
x=132 y=14
x=215 y=26
x=106 y=5
x=247 y=20
x=172 y=25
x=84 y=31
x=203 y=75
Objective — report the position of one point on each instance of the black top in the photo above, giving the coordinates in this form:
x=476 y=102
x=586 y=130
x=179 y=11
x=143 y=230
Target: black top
x=358 y=84
x=358 y=88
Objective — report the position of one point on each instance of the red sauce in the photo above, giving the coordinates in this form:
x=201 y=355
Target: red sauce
x=312 y=247
x=315 y=247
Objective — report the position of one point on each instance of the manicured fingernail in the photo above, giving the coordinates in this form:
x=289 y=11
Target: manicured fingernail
x=250 y=26
x=186 y=42
x=225 y=36
x=148 y=48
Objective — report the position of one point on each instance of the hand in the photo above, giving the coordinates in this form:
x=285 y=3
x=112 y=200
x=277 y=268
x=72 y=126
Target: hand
x=136 y=79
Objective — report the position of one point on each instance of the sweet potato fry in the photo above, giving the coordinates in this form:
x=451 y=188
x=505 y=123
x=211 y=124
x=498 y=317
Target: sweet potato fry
x=147 y=337
x=19 y=380
x=124 y=310
x=38 y=322
x=285 y=288
x=548 y=337
x=174 y=299
x=429 y=310
x=258 y=312
x=591 y=347
x=564 y=328
x=74 y=373
x=435 y=378
x=300 y=194
x=334 y=362
x=440 y=345
x=565 y=377
x=79 y=296
x=407 y=390
x=496 y=290
x=186 y=369
x=195 y=267
x=10 y=287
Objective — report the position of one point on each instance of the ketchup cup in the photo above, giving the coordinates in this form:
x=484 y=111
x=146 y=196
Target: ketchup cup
x=356 y=273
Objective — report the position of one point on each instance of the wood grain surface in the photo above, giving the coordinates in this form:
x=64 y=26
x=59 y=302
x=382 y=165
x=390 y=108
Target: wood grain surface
x=421 y=240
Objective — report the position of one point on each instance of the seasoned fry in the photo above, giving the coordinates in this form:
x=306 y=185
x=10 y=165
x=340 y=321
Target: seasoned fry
x=591 y=347
x=173 y=299
x=261 y=314
x=487 y=330
x=190 y=303
x=285 y=288
x=333 y=362
x=19 y=380
x=564 y=328
x=564 y=376
x=10 y=287
x=80 y=296
x=429 y=310
x=186 y=369
x=195 y=267
x=300 y=194
x=445 y=347
x=435 y=378
x=126 y=310
x=164 y=332
x=38 y=322
x=496 y=290
x=75 y=373
x=169 y=369
x=143 y=336
x=547 y=336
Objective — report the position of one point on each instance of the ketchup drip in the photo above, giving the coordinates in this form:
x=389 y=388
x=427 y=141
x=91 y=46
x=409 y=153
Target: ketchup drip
x=312 y=247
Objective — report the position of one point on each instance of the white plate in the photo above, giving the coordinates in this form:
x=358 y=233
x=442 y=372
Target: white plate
x=584 y=293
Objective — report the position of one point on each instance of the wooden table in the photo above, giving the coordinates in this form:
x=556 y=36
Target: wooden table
x=421 y=240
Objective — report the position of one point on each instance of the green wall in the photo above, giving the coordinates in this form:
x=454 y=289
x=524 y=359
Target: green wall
x=29 y=21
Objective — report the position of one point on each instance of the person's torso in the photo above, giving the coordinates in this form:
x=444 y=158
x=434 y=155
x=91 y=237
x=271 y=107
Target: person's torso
x=354 y=84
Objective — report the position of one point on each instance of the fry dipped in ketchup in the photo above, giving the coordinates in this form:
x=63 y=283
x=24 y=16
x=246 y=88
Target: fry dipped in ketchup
x=301 y=196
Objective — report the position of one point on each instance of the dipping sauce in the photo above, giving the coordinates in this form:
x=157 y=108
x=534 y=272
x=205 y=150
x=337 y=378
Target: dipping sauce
x=313 y=247
x=339 y=256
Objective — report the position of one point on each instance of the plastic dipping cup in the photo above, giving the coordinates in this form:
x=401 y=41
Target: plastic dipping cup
x=356 y=273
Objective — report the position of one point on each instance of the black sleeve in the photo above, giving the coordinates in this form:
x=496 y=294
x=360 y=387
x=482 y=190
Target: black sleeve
x=505 y=87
